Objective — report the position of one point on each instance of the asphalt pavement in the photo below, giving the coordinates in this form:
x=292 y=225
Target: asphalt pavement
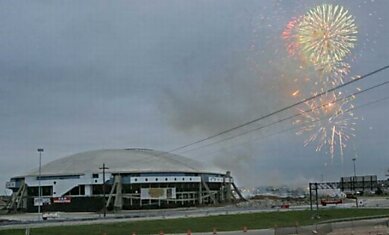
x=33 y=219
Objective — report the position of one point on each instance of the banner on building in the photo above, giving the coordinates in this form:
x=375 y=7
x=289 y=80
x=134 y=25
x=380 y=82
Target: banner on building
x=62 y=200
x=158 y=193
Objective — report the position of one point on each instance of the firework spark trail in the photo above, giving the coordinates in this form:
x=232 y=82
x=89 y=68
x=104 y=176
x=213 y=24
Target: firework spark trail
x=337 y=75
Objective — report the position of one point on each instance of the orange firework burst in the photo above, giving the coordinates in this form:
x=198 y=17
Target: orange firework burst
x=290 y=36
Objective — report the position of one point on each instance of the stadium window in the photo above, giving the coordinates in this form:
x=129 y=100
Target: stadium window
x=82 y=190
x=32 y=191
x=74 y=191
x=46 y=190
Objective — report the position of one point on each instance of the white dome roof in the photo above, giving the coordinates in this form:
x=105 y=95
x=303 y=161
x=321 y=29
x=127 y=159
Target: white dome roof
x=123 y=161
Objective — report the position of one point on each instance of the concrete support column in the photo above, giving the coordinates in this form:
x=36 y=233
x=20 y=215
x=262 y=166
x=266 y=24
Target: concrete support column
x=88 y=190
x=222 y=193
x=24 y=197
x=118 y=204
x=228 y=186
x=200 y=193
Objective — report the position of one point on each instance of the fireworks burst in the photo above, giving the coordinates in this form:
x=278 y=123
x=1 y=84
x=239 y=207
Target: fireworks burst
x=321 y=39
x=329 y=121
x=326 y=34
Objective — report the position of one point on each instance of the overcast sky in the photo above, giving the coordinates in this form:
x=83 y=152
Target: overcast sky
x=86 y=75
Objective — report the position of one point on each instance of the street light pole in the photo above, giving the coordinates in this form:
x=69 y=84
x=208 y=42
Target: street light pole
x=40 y=150
x=354 y=181
x=105 y=203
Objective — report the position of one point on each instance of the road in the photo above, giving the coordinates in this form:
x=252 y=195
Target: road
x=32 y=219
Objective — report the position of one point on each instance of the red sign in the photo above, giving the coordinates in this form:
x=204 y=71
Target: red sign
x=62 y=200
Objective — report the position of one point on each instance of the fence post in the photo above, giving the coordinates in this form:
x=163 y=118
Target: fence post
x=296 y=226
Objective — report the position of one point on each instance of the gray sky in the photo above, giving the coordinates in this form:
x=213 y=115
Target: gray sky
x=83 y=75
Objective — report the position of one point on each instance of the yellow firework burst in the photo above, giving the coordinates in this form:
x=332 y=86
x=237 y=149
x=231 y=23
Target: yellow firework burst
x=326 y=34
x=328 y=121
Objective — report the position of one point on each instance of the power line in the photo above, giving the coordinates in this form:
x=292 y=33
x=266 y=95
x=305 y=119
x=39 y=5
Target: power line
x=295 y=127
x=289 y=117
x=280 y=110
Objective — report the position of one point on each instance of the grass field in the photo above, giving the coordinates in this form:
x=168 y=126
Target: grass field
x=204 y=224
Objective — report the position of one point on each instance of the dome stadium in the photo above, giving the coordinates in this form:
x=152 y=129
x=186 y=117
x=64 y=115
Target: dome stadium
x=121 y=179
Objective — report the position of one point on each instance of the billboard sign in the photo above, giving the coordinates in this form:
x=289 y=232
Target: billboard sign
x=359 y=183
x=158 y=193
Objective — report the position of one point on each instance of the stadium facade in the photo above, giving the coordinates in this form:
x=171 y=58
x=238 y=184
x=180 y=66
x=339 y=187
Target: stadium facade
x=134 y=179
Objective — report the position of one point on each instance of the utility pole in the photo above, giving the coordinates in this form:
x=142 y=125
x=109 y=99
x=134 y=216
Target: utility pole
x=355 y=174
x=105 y=201
x=317 y=200
x=40 y=151
x=310 y=195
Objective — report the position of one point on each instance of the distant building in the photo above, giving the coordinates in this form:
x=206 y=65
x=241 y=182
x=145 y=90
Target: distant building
x=135 y=179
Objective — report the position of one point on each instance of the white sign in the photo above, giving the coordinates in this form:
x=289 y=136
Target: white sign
x=41 y=201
